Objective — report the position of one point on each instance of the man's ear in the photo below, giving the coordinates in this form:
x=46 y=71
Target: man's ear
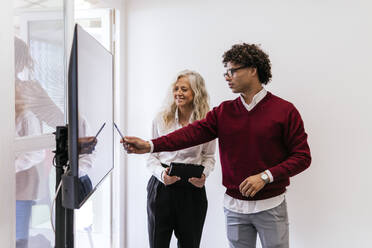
x=253 y=71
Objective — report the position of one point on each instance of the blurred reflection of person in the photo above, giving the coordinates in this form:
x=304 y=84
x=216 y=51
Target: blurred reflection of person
x=179 y=206
x=34 y=107
x=27 y=179
x=26 y=124
x=87 y=157
x=86 y=146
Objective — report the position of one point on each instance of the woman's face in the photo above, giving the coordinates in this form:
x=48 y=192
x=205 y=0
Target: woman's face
x=182 y=93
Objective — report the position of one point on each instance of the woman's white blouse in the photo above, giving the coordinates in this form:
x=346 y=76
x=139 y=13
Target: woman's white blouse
x=202 y=154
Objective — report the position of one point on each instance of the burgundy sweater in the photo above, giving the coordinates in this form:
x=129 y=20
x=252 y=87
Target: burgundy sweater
x=270 y=136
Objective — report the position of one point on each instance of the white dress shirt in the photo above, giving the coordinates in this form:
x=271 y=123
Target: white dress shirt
x=250 y=207
x=29 y=165
x=202 y=154
x=86 y=161
x=27 y=124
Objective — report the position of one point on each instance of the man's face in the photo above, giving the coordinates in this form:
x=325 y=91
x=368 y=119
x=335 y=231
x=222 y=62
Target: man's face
x=239 y=77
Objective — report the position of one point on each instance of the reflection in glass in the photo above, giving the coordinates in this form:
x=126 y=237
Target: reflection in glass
x=87 y=154
x=27 y=165
x=39 y=74
x=48 y=52
x=39 y=108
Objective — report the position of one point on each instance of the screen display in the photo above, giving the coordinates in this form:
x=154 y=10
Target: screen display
x=95 y=108
x=90 y=115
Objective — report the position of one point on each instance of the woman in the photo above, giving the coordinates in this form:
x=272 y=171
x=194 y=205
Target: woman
x=27 y=164
x=174 y=205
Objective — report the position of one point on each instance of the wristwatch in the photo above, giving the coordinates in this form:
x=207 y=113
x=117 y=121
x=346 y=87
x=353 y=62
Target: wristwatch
x=265 y=177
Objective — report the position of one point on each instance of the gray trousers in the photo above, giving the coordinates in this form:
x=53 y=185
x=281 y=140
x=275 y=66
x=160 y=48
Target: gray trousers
x=271 y=225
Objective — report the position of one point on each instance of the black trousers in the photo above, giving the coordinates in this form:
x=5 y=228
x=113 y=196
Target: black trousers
x=180 y=207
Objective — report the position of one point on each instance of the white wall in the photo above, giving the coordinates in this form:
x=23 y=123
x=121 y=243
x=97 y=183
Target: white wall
x=7 y=178
x=321 y=52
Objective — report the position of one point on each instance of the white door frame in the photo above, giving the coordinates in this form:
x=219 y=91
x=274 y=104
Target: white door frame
x=7 y=127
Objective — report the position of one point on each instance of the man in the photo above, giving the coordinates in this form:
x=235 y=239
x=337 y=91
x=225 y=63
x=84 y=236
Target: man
x=262 y=143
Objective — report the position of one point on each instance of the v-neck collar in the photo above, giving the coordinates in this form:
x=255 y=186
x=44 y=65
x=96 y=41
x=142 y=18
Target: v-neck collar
x=256 y=99
x=259 y=101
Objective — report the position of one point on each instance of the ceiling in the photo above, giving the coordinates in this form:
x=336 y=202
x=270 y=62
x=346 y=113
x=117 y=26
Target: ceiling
x=38 y=4
x=58 y=4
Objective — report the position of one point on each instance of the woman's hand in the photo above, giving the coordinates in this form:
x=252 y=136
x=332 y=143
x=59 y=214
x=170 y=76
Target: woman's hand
x=198 y=182
x=168 y=180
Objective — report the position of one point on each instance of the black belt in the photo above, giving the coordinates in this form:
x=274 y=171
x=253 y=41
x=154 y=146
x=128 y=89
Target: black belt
x=166 y=166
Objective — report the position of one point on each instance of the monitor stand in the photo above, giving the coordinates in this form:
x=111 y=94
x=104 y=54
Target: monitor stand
x=64 y=218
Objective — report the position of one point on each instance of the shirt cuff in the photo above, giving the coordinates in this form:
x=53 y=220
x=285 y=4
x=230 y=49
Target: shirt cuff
x=270 y=176
x=206 y=171
x=158 y=173
x=151 y=146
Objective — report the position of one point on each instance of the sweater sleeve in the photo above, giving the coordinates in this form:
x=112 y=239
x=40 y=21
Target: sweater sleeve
x=193 y=134
x=295 y=140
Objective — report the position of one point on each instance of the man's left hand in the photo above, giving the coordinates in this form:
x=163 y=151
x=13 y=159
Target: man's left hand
x=250 y=186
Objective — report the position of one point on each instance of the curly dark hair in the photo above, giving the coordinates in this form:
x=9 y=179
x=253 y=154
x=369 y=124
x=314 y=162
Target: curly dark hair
x=250 y=55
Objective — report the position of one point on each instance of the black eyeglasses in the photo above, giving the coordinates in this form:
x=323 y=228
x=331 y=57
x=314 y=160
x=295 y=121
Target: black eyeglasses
x=230 y=72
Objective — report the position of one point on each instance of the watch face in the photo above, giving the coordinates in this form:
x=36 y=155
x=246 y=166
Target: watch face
x=264 y=177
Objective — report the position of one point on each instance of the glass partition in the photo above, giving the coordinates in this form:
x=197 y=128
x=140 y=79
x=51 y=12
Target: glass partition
x=39 y=44
x=40 y=107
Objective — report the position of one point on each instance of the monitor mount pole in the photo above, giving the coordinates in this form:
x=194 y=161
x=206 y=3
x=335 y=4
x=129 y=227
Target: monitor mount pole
x=64 y=218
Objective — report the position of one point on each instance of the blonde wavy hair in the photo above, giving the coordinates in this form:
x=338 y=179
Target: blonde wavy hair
x=22 y=60
x=200 y=100
x=22 y=56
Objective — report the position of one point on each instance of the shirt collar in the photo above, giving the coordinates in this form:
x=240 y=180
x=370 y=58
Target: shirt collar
x=256 y=99
x=176 y=117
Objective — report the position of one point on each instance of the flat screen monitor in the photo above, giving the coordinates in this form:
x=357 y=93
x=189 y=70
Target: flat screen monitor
x=90 y=119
